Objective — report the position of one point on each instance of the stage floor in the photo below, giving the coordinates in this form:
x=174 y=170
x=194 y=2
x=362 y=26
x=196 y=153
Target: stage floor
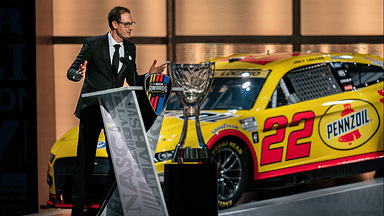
x=361 y=198
x=345 y=196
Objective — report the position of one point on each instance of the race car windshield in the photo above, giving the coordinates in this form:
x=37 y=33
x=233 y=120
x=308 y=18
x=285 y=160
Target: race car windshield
x=226 y=93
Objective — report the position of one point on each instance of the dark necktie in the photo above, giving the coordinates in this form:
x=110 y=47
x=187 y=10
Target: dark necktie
x=115 y=60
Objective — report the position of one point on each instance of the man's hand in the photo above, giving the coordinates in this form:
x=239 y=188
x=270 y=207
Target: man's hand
x=80 y=72
x=153 y=69
x=82 y=69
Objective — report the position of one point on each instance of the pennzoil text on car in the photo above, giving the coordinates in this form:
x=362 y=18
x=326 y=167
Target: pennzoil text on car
x=271 y=121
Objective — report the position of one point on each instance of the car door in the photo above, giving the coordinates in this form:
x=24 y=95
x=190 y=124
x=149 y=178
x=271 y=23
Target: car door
x=311 y=122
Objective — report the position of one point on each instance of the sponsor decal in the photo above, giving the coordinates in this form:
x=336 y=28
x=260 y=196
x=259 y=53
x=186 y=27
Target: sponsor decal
x=158 y=88
x=262 y=73
x=341 y=73
x=382 y=94
x=349 y=125
x=308 y=60
x=223 y=127
x=249 y=124
x=255 y=137
x=348 y=87
x=225 y=204
x=345 y=80
x=101 y=145
x=337 y=65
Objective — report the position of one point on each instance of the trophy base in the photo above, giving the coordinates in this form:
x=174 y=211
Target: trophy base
x=191 y=189
x=189 y=154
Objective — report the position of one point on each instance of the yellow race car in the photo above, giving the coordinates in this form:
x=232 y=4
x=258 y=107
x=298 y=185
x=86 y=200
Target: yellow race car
x=270 y=121
x=279 y=120
x=61 y=170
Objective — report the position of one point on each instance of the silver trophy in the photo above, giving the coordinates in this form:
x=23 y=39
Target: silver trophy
x=196 y=79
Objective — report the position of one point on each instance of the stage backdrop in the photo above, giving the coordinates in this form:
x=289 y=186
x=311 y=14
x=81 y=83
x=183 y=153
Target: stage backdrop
x=18 y=147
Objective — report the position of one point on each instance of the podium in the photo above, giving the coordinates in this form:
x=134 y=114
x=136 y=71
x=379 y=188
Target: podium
x=137 y=190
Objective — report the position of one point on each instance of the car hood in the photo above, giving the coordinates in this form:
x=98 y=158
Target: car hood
x=171 y=130
x=66 y=146
x=173 y=122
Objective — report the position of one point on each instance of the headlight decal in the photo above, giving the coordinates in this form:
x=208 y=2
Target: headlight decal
x=51 y=158
x=163 y=156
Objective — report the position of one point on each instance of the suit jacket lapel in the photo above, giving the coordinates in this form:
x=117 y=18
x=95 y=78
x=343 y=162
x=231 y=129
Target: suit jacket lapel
x=107 y=58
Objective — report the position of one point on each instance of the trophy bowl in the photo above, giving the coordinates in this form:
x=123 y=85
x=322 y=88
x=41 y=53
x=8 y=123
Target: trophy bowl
x=196 y=79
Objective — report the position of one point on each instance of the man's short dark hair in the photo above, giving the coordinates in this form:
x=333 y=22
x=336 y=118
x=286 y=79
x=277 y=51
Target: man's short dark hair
x=115 y=14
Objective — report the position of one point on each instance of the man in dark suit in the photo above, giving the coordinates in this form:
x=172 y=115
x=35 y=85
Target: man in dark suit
x=105 y=61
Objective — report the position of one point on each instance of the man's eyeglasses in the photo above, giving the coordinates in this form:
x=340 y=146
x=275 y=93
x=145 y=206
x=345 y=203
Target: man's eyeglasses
x=127 y=24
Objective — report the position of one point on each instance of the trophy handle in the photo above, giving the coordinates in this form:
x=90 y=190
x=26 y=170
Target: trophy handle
x=200 y=137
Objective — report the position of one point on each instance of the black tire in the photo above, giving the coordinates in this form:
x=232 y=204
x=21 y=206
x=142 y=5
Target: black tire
x=233 y=172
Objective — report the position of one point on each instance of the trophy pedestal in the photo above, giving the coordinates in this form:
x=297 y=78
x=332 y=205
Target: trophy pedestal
x=191 y=189
x=192 y=155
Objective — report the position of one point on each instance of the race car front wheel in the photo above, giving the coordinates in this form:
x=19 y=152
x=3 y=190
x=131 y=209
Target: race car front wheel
x=233 y=172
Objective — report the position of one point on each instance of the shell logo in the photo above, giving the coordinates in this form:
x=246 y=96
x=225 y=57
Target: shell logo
x=349 y=124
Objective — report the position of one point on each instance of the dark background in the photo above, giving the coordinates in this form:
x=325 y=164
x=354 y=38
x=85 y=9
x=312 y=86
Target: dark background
x=18 y=147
